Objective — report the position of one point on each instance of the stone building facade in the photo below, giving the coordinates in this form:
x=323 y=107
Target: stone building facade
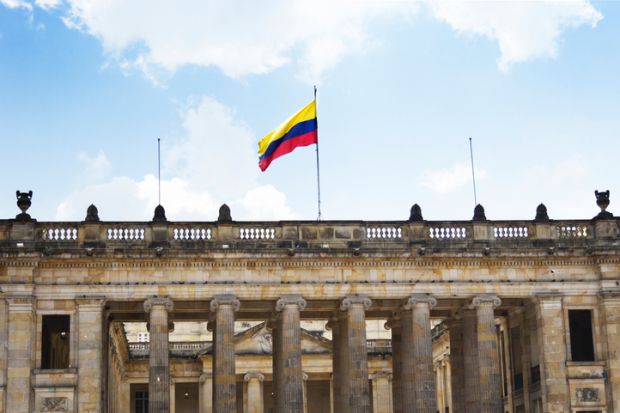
x=306 y=316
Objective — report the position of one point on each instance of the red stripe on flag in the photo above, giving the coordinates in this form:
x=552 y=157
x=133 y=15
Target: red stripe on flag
x=287 y=147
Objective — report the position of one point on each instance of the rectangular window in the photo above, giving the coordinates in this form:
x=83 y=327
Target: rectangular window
x=55 y=341
x=581 y=339
x=142 y=402
x=517 y=367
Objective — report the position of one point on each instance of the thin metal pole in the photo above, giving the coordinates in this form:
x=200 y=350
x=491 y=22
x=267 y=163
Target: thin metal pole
x=159 y=169
x=318 y=174
x=473 y=175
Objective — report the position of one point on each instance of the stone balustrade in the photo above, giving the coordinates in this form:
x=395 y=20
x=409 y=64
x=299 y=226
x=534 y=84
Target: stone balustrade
x=294 y=236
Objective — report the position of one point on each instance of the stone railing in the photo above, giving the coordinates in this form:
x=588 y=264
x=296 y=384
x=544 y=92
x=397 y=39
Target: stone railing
x=177 y=349
x=296 y=235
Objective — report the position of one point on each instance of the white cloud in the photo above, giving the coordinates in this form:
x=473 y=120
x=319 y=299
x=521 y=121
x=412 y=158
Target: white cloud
x=238 y=37
x=48 y=4
x=15 y=4
x=95 y=167
x=523 y=29
x=214 y=163
x=450 y=179
x=249 y=37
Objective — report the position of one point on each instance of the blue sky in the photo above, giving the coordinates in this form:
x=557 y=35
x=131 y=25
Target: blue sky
x=87 y=87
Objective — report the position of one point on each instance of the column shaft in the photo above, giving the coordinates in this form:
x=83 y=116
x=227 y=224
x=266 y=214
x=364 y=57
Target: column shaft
x=470 y=363
x=457 y=369
x=224 y=379
x=339 y=367
x=356 y=354
x=488 y=359
x=159 y=364
x=19 y=362
x=289 y=391
x=395 y=327
x=418 y=380
x=552 y=347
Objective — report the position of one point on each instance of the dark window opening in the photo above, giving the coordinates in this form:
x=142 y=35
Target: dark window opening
x=517 y=367
x=535 y=374
x=141 y=402
x=55 y=342
x=580 y=328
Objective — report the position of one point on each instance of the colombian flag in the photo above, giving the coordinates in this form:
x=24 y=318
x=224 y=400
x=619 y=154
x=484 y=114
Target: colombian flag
x=298 y=130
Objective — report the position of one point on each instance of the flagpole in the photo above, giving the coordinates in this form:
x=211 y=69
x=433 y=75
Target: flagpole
x=473 y=176
x=318 y=174
x=159 y=170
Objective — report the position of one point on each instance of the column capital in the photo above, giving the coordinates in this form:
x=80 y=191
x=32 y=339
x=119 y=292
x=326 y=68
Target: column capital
x=290 y=299
x=253 y=375
x=381 y=374
x=96 y=302
x=331 y=322
x=415 y=299
x=224 y=299
x=205 y=376
x=20 y=302
x=350 y=300
x=159 y=301
x=304 y=376
x=479 y=300
x=391 y=323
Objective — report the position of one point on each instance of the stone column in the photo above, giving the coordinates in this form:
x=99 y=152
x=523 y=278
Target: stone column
x=381 y=392
x=356 y=354
x=224 y=380
x=159 y=364
x=418 y=380
x=611 y=311
x=470 y=363
x=552 y=347
x=20 y=354
x=395 y=326
x=439 y=386
x=337 y=324
x=289 y=388
x=488 y=359
x=457 y=370
x=253 y=393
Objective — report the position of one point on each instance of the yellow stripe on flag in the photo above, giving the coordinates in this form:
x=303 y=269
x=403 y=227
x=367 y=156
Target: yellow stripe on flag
x=307 y=113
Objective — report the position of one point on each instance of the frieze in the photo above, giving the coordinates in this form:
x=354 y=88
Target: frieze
x=319 y=262
x=54 y=404
x=587 y=394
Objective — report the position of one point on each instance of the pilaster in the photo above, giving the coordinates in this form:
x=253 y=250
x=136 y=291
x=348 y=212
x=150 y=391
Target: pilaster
x=205 y=394
x=610 y=304
x=159 y=363
x=224 y=381
x=470 y=362
x=552 y=347
x=20 y=354
x=381 y=400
